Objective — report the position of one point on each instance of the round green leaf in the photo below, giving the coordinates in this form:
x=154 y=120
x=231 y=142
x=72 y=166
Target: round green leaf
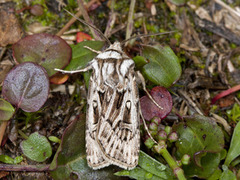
x=47 y=50
x=164 y=68
x=26 y=86
x=36 y=147
x=203 y=140
x=6 y=110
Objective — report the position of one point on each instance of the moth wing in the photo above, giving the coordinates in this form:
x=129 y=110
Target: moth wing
x=118 y=129
x=95 y=157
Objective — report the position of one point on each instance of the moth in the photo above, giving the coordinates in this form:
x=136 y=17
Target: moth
x=113 y=109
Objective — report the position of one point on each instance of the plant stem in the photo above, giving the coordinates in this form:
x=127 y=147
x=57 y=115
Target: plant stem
x=73 y=19
x=29 y=168
x=111 y=20
x=22 y=134
x=2 y=130
x=88 y=20
x=173 y=164
x=130 y=19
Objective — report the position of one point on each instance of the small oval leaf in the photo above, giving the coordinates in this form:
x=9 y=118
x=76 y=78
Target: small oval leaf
x=164 y=68
x=47 y=50
x=6 y=110
x=26 y=86
x=36 y=147
x=162 y=97
x=59 y=78
x=8 y=160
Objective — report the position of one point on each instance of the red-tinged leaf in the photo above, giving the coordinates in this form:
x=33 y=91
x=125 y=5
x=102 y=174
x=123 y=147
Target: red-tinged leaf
x=47 y=50
x=162 y=97
x=225 y=93
x=81 y=36
x=59 y=78
x=26 y=86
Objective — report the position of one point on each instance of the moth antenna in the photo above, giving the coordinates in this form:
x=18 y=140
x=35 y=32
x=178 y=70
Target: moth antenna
x=91 y=26
x=145 y=35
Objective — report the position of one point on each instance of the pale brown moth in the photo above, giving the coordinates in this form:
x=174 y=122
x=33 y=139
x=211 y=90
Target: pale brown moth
x=113 y=109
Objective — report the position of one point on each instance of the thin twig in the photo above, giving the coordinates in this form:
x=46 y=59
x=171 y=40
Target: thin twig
x=2 y=52
x=2 y=130
x=130 y=19
x=86 y=17
x=111 y=20
x=73 y=19
x=190 y=101
x=231 y=10
x=146 y=35
x=222 y=121
x=116 y=29
x=29 y=168
x=91 y=27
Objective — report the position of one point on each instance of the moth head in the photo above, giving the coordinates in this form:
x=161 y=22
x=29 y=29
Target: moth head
x=116 y=46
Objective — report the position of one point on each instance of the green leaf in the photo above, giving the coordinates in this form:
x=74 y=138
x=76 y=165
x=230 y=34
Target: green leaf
x=153 y=166
x=8 y=160
x=234 y=150
x=227 y=174
x=149 y=168
x=203 y=140
x=216 y=175
x=81 y=55
x=234 y=113
x=138 y=173
x=17 y=159
x=139 y=62
x=36 y=147
x=54 y=139
x=6 y=110
x=164 y=68
x=71 y=156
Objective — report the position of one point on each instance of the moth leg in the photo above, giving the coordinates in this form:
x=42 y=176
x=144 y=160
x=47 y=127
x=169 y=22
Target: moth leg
x=145 y=126
x=75 y=71
x=98 y=52
x=144 y=88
